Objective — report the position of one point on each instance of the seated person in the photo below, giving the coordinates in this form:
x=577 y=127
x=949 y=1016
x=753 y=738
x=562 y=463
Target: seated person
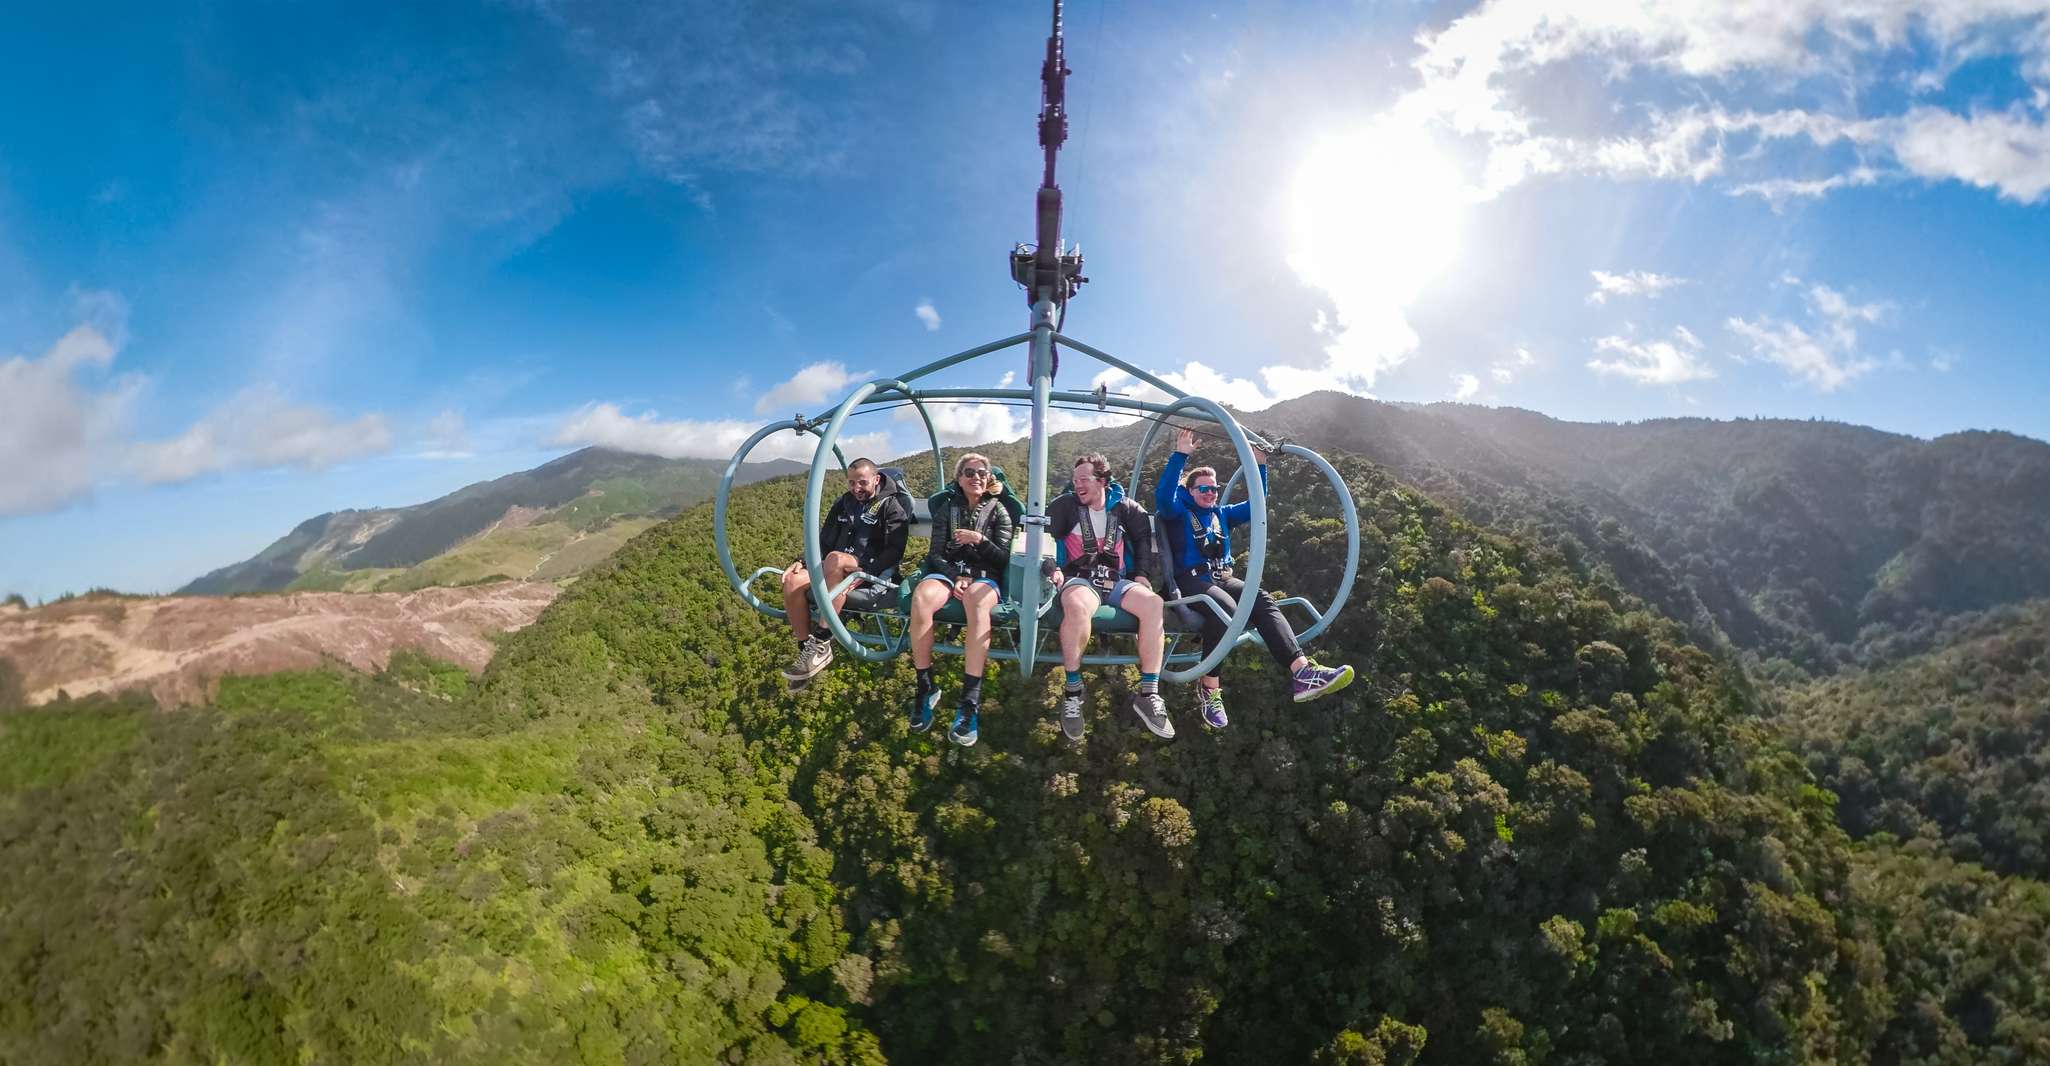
x=866 y=530
x=1102 y=550
x=971 y=550
x=1200 y=532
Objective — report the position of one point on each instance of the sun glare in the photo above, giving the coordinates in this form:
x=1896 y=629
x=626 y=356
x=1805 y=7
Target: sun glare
x=1376 y=214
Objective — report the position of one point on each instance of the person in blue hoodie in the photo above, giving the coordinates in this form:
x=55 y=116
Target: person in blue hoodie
x=1199 y=532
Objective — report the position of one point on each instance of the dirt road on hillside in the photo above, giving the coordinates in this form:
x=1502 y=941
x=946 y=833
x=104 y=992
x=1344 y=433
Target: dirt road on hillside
x=178 y=647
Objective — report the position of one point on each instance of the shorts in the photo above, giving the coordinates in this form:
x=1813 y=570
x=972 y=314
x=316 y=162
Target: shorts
x=990 y=581
x=1117 y=591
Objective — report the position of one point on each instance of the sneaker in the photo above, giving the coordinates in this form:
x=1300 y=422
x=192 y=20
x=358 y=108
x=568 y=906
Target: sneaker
x=1211 y=702
x=1152 y=712
x=964 y=732
x=813 y=656
x=1313 y=681
x=1071 y=714
x=922 y=711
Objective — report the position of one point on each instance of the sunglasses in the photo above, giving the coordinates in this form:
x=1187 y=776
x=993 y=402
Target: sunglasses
x=1207 y=490
x=975 y=472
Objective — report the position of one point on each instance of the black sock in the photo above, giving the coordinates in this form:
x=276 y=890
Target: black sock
x=971 y=690
x=821 y=634
x=924 y=681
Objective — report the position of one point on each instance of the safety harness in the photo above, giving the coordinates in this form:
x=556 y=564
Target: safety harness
x=1101 y=562
x=985 y=512
x=1208 y=536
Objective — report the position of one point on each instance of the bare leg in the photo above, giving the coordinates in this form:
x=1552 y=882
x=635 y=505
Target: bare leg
x=797 y=599
x=926 y=601
x=838 y=566
x=1078 y=604
x=1144 y=604
x=980 y=603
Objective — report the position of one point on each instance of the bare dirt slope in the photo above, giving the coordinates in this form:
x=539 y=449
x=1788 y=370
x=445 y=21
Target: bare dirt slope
x=177 y=647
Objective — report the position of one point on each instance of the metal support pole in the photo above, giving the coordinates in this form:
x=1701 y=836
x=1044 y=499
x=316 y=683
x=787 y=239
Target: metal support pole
x=1035 y=492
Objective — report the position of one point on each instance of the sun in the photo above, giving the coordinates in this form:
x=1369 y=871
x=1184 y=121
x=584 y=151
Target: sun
x=1376 y=213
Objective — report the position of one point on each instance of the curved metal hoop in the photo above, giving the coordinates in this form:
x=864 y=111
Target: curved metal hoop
x=1256 y=551
x=1321 y=620
x=814 y=555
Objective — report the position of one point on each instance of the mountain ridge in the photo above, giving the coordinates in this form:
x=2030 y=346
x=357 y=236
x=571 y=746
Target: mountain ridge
x=586 y=489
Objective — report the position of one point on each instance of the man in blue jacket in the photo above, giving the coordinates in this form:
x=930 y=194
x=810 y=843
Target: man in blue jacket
x=1200 y=532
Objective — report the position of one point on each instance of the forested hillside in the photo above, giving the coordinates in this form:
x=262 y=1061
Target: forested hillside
x=1951 y=745
x=1541 y=828
x=1787 y=537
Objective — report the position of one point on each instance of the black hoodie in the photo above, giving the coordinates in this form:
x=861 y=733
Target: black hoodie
x=873 y=532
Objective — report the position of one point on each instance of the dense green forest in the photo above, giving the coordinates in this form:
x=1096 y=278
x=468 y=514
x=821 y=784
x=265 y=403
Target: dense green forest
x=1544 y=828
x=1951 y=745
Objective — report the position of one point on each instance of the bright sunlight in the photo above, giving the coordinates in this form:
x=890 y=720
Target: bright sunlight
x=1376 y=216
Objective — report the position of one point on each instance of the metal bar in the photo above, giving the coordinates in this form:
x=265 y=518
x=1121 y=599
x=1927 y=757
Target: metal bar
x=814 y=489
x=1041 y=367
x=953 y=360
x=719 y=504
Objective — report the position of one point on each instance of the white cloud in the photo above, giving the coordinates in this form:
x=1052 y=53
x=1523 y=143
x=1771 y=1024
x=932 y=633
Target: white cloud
x=1466 y=386
x=54 y=431
x=1813 y=359
x=259 y=428
x=1502 y=374
x=1778 y=191
x=2003 y=150
x=448 y=437
x=809 y=387
x=968 y=423
x=1654 y=363
x=605 y=425
x=1631 y=283
x=927 y=315
x=1474 y=73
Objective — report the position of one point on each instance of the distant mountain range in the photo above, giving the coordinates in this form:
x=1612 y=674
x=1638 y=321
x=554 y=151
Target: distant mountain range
x=1785 y=538
x=548 y=522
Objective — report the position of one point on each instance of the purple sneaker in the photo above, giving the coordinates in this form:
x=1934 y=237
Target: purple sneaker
x=1211 y=703
x=1313 y=681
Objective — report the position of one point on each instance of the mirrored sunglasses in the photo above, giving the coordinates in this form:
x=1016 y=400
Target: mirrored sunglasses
x=975 y=472
x=1205 y=489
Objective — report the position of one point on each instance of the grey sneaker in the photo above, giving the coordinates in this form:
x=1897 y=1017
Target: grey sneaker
x=1071 y=714
x=1313 y=681
x=1211 y=702
x=1152 y=712
x=813 y=656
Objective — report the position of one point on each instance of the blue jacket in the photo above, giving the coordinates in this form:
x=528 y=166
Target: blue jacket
x=1176 y=506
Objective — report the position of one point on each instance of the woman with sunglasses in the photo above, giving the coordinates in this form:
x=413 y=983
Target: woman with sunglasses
x=1200 y=533
x=972 y=526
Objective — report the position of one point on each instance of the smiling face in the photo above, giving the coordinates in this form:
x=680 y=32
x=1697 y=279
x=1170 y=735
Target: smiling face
x=862 y=481
x=1205 y=489
x=1088 y=487
x=973 y=475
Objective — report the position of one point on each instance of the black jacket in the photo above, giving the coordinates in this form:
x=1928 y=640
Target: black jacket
x=873 y=532
x=991 y=558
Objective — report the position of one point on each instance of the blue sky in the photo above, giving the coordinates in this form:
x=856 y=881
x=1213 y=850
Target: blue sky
x=263 y=261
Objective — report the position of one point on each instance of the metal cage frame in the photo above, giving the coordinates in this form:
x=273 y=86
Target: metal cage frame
x=1030 y=600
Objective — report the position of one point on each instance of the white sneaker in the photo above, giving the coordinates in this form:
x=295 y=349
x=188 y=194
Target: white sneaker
x=813 y=656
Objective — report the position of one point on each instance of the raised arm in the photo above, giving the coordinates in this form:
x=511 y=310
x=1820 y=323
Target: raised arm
x=1167 y=496
x=1242 y=512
